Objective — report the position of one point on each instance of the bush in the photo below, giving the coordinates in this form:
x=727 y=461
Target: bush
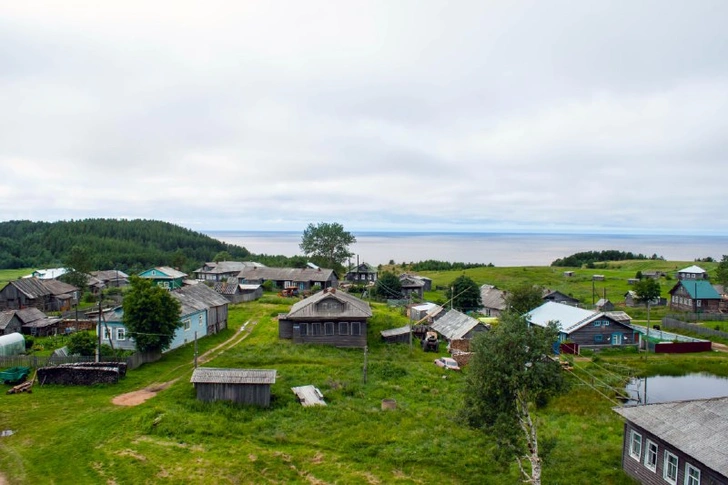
x=82 y=343
x=29 y=341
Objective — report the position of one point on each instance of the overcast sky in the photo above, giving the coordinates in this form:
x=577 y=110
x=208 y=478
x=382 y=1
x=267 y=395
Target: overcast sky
x=553 y=116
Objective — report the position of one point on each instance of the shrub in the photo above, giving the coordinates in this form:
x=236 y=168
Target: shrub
x=29 y=341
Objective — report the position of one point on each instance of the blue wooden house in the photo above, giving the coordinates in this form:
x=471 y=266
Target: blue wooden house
x=164 y=276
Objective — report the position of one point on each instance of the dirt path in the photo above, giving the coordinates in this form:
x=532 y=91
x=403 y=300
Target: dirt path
x=135 y=398
x=720 y=347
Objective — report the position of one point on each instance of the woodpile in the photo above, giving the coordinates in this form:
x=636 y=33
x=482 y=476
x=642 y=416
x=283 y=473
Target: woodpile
x=26 y=386
x=462 y=345
x=82 y=373
x=462 y=358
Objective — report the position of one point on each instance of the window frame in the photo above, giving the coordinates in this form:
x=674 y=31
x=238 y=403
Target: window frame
x=345 y=327
x=355 y=328
x=635 y=438
x=690 y=480
x=328 y=329
x=648 y=448
x=120 y=334
x=666 y=467
x=599 y=338
x=187 y=323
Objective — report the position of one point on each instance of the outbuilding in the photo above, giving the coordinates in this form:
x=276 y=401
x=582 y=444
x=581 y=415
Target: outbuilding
x=243 y=386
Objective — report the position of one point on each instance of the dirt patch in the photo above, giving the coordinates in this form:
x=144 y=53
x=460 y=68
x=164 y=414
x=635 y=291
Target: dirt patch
x=3 y=480
x=136 y=398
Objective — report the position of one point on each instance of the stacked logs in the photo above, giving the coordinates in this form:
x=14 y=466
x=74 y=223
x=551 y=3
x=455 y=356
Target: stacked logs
x=82 y=373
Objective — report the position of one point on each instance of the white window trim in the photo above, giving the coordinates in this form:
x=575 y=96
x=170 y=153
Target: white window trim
x=665 y=467
x=689 y=467
x=120 y=334
x=647 y=455
x=638 y=453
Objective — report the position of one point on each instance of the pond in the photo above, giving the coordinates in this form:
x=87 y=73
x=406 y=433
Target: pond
x=675 y=388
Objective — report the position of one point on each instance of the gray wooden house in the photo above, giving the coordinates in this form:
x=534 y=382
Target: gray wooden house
x=9 y=322
x=302 y=278
x=111 y=278
x=223 y=270
x=493 y=300
x=238 y=293
x=455 y=325
x=695 y=296
x=46 y=295
x=202 y=297
x=328 y=317
x=586 y=328
x=682 y=442
x=558 y=297
x=362 y=273
x=692 y=273
x=242 y=386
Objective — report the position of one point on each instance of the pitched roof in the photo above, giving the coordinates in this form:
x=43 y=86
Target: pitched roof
x=492 y=297
x=109 y=275
x=569 y=318
x=692 y=269
x=363 y=268
x=222 y=267
x=48 y=274
x=59 y=288
x=30 y=315
x=455 y=325
x=698 y=428
x=31 y=287
x=165 y=271
x=353 y=307
x=287 y=274
x=5 y=318
x=216 y=375
x=393 y=332
x=698 y=289
x=198 y=297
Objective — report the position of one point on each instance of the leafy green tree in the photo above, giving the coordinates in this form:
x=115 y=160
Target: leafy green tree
x=78 y=263
x=511 y=372
x=151 y=315
x=327 y=241
x=524 y=298
x=82 y=343
x=465 y=294
x=388 y=286
x=722 y=271
x=222 y=256
x=647 y=290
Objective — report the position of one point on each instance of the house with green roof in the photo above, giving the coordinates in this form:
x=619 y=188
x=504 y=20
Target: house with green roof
x=695 y=296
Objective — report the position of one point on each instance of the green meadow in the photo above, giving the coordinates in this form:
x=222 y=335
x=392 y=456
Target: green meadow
x=65 y=434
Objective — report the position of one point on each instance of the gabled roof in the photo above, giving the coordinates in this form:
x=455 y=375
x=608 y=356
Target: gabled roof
x=556 y=294
x=59 y=288
x=30 y=287
x=160 y=272
x=455 y=325
x=48 y=274
x=697 y=428
x=109 y=275
x=698 y=289
x=5 y=318
x=492 y=297
x=353 y=307
x=215 y=375
x=394 y=332
x=569 y=318
x=222 y=267
x=692 y=269
x=198 y=297
x=363 y=268
x=30 y=315
x=409 y=281
x=287 y=274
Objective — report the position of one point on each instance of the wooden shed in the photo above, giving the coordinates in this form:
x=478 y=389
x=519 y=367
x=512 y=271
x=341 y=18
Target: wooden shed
x=244 y=386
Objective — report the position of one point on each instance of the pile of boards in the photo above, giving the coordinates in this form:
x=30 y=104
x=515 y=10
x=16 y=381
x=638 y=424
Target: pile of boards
x=82 y=373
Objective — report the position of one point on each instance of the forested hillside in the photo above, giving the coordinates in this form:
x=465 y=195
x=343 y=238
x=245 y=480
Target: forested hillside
x=128 y=245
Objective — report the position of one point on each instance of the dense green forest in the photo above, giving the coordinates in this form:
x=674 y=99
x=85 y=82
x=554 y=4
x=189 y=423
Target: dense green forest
x=127 y=245
x=432 y=265
x=588 y=258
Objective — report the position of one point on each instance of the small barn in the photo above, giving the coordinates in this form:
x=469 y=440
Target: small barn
x=9 y=322
x=242 y=386
x=455 y=326
x=604 y=305
x=396 y=335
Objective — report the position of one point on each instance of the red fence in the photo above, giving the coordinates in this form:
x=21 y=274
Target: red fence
x=682 y=347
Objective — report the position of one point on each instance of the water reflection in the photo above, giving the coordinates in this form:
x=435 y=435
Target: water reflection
x=656 y=389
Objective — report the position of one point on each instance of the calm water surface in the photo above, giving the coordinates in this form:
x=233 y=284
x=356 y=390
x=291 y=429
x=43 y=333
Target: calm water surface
x=681 y=388
x=498 y=248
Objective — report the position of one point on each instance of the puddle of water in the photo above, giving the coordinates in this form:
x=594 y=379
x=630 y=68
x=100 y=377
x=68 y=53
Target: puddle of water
x=656 y=389
x=6 y=432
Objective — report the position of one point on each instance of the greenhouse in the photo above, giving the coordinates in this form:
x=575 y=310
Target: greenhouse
x=12 y=344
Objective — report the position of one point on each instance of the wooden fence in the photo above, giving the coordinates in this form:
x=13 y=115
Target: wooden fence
x=668 y=322
x=33 y=361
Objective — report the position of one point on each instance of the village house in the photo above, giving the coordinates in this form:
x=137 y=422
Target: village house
x=328 y=317
x=223 y=270
x=111 y=278
x=604 y=305
x=46 y=295
x=631 y=300
x=456 y=326
x=238 y=293
x=36 y=323
x=240 y=386
x=304 y=279
x=47 y=274
x=493 y=300
x=558 y=297
x=692 y=273
x=9 y=322
x=164 y=276
x=414 y=285
x=695 y=296
x=585 y=328
x=680 y=442
x=362 y=273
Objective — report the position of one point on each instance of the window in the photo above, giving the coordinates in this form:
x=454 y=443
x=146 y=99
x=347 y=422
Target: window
x=120 y=334
x=187 y=324
x=343 y=328
x=301 y=327
x=355 y=328
x=692 y=475
x=651 y=455
x=199 y=320
x=669 y=468
x=598 y=339
x=635 y=445
x=329 y=328
x=698 y=302
x=606 y=323
x=315 y=329
x=597 y=323
x=107 y=334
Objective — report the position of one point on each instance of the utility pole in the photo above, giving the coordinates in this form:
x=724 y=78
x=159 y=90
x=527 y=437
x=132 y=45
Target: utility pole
x=98 y=332
x=195 y=349
x=366 y=350
x=452 y=296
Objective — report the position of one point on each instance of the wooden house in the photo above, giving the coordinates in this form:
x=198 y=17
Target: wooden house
x=695 y=296
x=112 y=278
x=585 y=328
x=604 y=305
x=692 y=273
x=48 y=274
x=238 y=293
x=456 y=326
x=493 y=299
x=362 y=273
x=328 y=317
x=9 y=322
x=631 y=300
x=681 y=442
x=46 y=295
x=397 y=335
x=203 y=297
x=304 y=279
x=164 y=276
x=655 y=275
x=241 y=386
x=413 y=285
x=36 y=323
x=223 y=270
x=558 y=297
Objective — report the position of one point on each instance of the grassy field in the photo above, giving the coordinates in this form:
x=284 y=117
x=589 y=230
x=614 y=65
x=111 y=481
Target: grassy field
x=77 y=435
x=13 y=274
